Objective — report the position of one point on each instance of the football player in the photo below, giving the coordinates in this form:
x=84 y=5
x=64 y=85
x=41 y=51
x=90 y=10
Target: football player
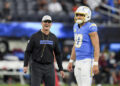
x=86 y=47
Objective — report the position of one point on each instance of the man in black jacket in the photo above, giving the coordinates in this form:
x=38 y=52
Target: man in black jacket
x=42 y=47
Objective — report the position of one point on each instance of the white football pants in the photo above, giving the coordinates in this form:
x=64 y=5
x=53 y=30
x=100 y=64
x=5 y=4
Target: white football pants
x=83 y=72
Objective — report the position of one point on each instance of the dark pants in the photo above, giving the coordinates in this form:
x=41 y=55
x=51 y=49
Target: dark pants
x=42 y=72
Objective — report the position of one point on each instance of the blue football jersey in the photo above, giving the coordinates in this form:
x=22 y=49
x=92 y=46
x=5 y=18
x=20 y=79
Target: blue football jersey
x=83 y=45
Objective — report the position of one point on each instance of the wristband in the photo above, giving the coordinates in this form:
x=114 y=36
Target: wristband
x=95 y=63
x=71 y=61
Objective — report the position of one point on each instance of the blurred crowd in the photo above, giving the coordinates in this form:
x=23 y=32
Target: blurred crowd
x=60 y=10
x=109 y=63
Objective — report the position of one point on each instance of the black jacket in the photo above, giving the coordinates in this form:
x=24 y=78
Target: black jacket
x=41 y=47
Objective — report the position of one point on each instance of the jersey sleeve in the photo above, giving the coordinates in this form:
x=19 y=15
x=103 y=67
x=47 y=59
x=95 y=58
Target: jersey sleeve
x=58 y=54
x=28 y=51
x=92 y=28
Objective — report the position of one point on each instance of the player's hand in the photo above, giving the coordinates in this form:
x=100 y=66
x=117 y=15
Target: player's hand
x=70 y=66
x=95 y=69
x=25 y=69
x=62 y=74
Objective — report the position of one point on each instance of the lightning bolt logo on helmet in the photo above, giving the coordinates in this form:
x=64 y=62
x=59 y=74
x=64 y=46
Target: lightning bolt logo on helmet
x=82 y=10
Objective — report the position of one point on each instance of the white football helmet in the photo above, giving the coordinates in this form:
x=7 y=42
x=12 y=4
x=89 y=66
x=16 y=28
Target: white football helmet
x=83 y=10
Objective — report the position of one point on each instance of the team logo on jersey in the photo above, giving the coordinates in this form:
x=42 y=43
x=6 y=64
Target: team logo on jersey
x=46 y=42
x=75 y=30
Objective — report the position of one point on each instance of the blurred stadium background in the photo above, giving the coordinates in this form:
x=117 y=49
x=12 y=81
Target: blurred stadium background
x=19 y=19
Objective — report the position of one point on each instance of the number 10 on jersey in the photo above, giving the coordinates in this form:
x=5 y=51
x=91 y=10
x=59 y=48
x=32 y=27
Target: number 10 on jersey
x=78 y=40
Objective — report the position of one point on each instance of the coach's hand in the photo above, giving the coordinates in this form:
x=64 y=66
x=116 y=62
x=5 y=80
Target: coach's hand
x=95 y=69
x=25 y=69
x=62 y=74
x=70 y=66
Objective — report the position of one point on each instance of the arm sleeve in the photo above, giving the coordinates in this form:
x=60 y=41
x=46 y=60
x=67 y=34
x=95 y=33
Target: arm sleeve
x=92 y=28
x=58 y=55
x=28 y=52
